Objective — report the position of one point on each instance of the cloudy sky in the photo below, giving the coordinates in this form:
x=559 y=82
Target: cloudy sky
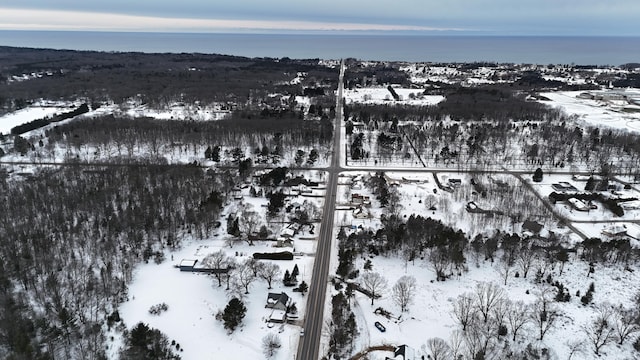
x=482 y=17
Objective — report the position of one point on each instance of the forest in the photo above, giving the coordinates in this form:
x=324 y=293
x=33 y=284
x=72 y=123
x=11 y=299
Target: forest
x=158 y=79
x=71 y=238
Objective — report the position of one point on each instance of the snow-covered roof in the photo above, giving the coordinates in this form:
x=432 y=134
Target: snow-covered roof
x=188 y=263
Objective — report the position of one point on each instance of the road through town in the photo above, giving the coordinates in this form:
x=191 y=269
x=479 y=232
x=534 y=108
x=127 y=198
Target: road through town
x=309 y=346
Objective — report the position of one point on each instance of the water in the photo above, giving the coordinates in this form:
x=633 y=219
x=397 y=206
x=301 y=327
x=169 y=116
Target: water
x=517 y=49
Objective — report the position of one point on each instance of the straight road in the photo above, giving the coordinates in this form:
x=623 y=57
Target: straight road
x=309 y=346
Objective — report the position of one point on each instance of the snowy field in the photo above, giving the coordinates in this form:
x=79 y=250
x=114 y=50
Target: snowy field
x=180 y=112
x=599 y=113
x=11 y=120
x=380 y=95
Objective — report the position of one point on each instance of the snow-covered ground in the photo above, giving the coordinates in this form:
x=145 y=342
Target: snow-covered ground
x=612 y=114
x=431 y=313
x=381 y=95
x=34 y=112
x=194 y=299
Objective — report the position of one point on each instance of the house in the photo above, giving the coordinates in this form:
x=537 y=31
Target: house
x=579 y=204
x=187 y=265
x=615 y=231
x=357 y=199
x=287 y=233
x=360 y=213
x=532 y=227
x=472 y=207
x=278 y=316
x=455 y=183
x=277 y=301
x=563 y=186
x=403 y=352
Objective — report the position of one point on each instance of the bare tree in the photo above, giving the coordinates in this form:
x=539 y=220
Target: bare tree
x=254 y=265
x=374 y=283
x=270 y=345
x=600 y=332
x=232 y=266
x=456 y=342
x=504 y=269
x=480 y=340
x=216 y=261
x=487 y=295
x=464 y=310
x=625 y=322
x=518 y=315
x=404 y=291
x=245 y=275
x=439 y=260
x=249 y=223
x=543 y=315
x=500 y=310
x=525 y=259
x=575 y=347
x=268 y=272
x=438 y=348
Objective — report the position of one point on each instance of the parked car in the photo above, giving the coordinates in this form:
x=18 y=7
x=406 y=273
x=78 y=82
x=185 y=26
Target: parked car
x=380 y=326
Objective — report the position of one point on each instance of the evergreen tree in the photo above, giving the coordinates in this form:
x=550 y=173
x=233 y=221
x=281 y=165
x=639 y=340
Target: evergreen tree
x=303 y=287
x=591 y=184
x=233 y=314
x=537 y=175
x=313 y=157
x=145 y=343
x=215 y=153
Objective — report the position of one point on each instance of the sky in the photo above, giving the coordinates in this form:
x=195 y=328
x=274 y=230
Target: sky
x=482 y=17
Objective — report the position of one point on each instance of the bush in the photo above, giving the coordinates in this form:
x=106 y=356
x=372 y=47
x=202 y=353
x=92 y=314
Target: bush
x=158 y=309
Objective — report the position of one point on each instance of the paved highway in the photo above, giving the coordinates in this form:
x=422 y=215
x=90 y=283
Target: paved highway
x=309 y=346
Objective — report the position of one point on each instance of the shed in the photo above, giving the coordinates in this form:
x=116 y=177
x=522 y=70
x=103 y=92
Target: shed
x=287 y=233
x=187 y=265
x=615 y=231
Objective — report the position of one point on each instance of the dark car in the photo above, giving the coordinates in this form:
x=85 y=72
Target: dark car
x=380 y=326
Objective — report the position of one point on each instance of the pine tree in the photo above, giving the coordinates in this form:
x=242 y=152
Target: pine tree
x=537 y=175
x=295 y=272
x=303 y=287
x=233 y=314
